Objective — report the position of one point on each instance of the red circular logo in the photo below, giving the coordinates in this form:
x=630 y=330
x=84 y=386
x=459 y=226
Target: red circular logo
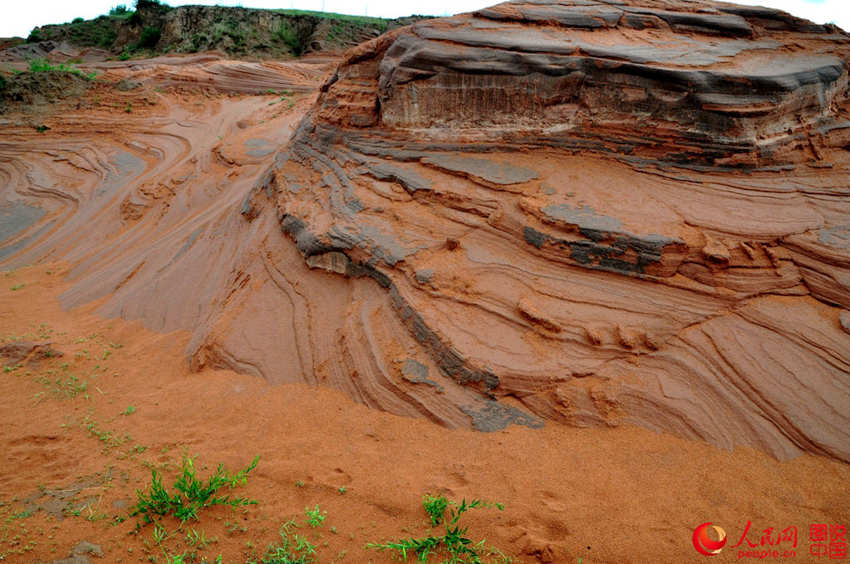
x=705 y=545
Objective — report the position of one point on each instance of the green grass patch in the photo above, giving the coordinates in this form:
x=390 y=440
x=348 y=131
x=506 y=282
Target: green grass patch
x=292 y=549
x=63 y=388
x=43 y=65
x=454 y=544
x=191 y=494
x=316 y=517
x=380 y=23
x=435 y=507
x=295 y=41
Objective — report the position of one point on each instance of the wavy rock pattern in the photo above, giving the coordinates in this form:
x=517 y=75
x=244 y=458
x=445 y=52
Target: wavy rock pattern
x=609 y=212
x=588 y=212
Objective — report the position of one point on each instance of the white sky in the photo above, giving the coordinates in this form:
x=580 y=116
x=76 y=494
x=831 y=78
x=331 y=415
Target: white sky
x=18 y=17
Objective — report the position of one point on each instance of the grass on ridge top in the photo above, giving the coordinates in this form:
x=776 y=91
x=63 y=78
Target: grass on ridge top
x=332 y=16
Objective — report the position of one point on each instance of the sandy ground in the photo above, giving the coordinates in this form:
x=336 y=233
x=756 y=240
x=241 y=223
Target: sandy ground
x=75 y=458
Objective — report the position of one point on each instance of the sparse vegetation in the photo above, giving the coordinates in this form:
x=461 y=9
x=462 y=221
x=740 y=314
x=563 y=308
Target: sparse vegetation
x=295 y=550
x=99 y=32
x=454 y=543
x=296 y=41
x=43 y=65
x=191 y=493
x=197 y=540
x=69 y=387
x=109 y=439
x=315 y=517
x=435 y=507
x=379 y=23
x=149 y=38
x=141 y=29
x=143 y=4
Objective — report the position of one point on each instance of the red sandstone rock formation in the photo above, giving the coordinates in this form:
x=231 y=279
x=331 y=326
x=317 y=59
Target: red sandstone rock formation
x=591 y=212
x=645 y=199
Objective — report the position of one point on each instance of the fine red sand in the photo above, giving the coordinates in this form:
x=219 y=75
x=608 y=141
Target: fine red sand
x=603 y=495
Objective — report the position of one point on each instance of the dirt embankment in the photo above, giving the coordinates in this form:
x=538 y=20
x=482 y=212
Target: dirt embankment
x=243 y=32
x=41 y=88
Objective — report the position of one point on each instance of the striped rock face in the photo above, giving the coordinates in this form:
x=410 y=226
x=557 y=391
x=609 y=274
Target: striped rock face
x=587 y=212
x=596 y=212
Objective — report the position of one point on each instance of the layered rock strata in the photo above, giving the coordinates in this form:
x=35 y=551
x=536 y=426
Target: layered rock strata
x=588 y=212
x=605 y=212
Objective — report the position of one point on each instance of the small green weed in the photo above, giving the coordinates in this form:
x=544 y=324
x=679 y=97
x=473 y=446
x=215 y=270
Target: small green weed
x=192 y=494
x=315 y=517
x=454 y=543
x=295 y=550
x=234 y=527
x=159 y=534
x=197 y=540
x=70 y=387
x=129 y=411
x=108 y=438
x=23 y=514
x=435 y=507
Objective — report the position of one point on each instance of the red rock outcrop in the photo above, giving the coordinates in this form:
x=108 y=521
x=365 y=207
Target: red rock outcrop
x=590 y=212
x=606 y=211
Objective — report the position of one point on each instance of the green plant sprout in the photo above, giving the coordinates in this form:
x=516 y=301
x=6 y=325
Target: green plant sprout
x=192 y=494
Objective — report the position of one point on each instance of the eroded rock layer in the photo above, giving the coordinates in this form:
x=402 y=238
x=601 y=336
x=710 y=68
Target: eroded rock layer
x=595 y=213
x=605 y=211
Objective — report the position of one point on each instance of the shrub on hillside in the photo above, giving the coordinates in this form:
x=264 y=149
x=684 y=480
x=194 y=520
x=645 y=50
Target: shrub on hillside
x=150 y=37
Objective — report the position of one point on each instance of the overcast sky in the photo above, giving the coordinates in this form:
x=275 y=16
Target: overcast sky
x=18 y=17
